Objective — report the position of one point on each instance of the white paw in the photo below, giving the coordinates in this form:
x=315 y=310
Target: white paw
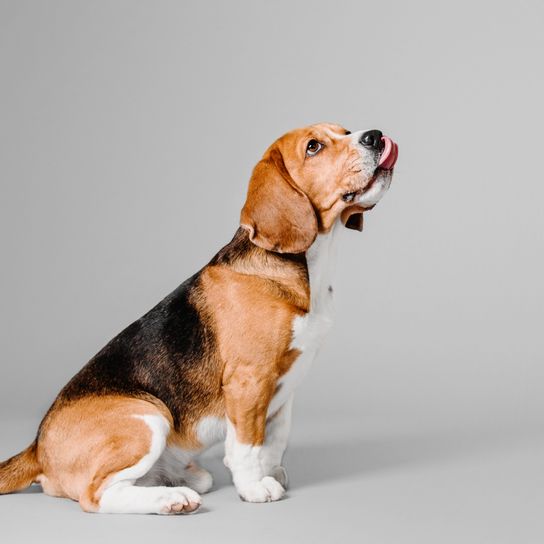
x=198 y=478
x=179 y=500
x=266 y=490
x=279 y=473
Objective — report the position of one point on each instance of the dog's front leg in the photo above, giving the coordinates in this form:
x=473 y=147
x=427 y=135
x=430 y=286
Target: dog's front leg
x=278 y=426
x=246 y=454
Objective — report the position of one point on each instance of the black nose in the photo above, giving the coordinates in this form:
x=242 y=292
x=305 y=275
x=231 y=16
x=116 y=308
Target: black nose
x=372 y=138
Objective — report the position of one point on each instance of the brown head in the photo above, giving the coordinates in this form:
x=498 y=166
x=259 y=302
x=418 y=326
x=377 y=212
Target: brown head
x=311 y=177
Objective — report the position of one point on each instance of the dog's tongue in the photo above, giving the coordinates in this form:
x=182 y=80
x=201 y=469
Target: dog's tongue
x=389 y=154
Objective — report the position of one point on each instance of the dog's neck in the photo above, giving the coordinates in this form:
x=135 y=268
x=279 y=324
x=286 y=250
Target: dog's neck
x=285 y=272
x=306 y=277
x=321 y=261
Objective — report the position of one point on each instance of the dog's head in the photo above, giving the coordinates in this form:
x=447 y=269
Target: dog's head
x=309 y=178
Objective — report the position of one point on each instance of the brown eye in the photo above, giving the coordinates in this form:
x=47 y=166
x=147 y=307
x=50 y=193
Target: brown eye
x=313 y=147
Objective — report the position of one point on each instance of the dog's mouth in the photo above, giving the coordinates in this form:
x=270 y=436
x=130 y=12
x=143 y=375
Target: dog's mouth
x=389 y=154
x=352 y=216
x=388 y=157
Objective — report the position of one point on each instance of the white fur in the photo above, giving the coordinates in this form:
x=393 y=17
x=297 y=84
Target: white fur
x=277 y=434
x=211 y=430
x=309 y=330
x=123 y=497
x=159 y=431
x=257 y=469
x=369 y=158
x=248 y=466
x=176 y=466
x=131 y=499
x=168 y=469
x=197 y=478
x=369 y=162
x=374 y=193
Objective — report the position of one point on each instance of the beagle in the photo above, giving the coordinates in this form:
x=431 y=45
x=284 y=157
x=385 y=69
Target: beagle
x=220 y=357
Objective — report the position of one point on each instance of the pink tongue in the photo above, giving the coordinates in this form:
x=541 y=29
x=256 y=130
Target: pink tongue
x=389 y=154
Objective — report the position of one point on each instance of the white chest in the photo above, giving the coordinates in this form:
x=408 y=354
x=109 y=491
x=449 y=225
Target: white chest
x=309 y=330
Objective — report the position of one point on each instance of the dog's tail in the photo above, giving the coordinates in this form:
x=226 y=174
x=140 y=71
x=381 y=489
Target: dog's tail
x=19 y=471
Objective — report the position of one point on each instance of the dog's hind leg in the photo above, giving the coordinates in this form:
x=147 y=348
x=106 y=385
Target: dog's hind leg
x=95 y=450
x=122 y=496
x=177 y=467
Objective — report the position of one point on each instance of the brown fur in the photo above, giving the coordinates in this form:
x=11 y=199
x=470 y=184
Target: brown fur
x=246 y=300
x=322 y=178
x=87 y=441
x=254 y=343
x=277 y=214
x=19 y=471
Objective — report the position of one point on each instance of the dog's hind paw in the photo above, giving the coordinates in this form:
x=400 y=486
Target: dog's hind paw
x=197 y=478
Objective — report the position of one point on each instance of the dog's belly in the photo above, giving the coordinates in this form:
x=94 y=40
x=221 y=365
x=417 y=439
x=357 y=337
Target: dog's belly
x=211 y=430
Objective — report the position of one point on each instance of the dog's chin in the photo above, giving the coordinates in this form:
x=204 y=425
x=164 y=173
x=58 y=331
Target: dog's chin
x=375 y=190
x=352 y=216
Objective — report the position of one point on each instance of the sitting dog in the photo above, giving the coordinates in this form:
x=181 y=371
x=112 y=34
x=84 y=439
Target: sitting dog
x=220 y=357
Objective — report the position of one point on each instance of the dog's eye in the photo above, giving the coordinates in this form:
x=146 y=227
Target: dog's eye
x=348 y=197
x=313 y=147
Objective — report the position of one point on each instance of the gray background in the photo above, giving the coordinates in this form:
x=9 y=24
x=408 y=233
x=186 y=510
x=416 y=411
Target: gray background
x=128 y=131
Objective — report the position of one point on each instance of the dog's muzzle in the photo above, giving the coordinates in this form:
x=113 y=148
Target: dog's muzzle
x=352 y=217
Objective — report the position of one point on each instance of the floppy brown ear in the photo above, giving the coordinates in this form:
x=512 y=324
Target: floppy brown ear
x=277 y=214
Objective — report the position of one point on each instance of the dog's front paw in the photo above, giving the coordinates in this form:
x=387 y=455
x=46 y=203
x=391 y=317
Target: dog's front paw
x=266 y=490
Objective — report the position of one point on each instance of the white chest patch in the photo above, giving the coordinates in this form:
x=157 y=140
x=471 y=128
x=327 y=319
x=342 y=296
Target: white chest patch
x=309 y=330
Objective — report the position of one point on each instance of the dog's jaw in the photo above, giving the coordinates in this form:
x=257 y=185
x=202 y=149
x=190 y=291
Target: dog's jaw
x=373 y=194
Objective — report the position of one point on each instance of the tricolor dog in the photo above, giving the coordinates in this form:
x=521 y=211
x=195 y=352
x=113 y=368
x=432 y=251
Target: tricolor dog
x=220 y=357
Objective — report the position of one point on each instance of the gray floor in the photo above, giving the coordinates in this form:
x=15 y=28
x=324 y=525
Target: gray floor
x=386 y=481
